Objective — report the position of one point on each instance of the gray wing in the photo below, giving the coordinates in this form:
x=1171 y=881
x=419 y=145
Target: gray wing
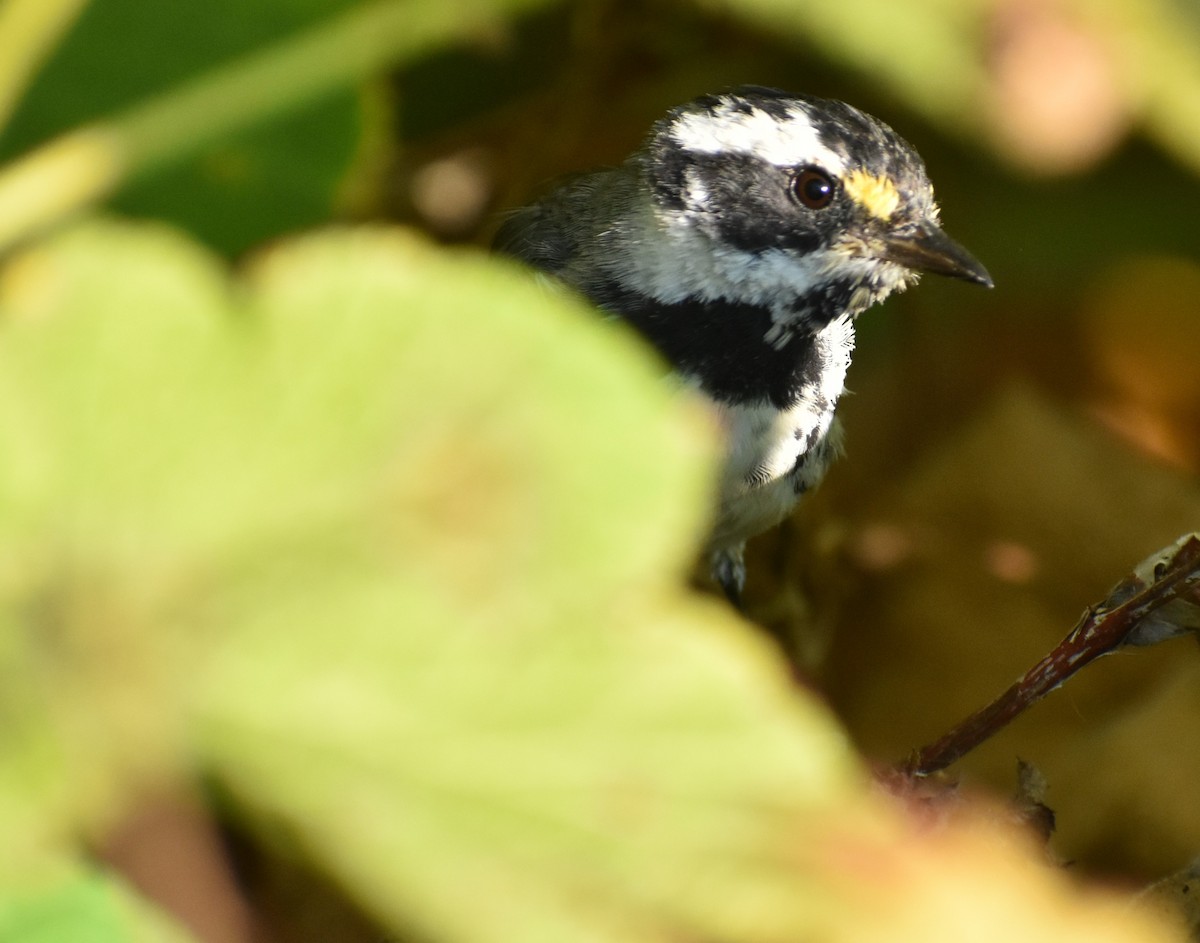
x=550 y=234
x=537 y=236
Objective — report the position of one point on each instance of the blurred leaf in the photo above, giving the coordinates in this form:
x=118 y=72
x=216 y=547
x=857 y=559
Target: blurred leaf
x=1158 y=42
x=1050 y=84
x=390 y=542
x=1174 y=897
x=404 y=511
x=274 y=178
x=81 y=908
x=30 y=30
x=98 y=414
x=922 y=50
x=488 y=661
x=280 y=174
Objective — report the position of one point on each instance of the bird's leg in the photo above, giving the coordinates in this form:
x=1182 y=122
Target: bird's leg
x=728 y=568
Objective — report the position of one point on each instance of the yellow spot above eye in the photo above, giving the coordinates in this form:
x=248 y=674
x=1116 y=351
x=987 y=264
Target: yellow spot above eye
x=877 y=195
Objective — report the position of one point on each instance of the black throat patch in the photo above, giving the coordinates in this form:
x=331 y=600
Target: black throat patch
x=723 y=344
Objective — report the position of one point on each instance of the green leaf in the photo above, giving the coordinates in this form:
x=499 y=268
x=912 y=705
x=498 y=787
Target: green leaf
x=248 y=96
x=81 y=907
x=280 y=176
x=392 y=541
x=108 y=374
x=389 y=543
x=925 y=51
x=492 y=687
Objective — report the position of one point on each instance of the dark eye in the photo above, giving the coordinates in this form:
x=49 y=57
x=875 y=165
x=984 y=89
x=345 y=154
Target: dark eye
x=813 y=188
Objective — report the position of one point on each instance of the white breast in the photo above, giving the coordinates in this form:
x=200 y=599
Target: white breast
x=774 y=455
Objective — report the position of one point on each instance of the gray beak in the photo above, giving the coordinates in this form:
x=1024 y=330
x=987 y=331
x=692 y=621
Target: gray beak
x=928 y=249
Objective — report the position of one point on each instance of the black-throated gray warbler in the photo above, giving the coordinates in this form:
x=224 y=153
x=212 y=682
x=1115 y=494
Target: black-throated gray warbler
x=742 y=240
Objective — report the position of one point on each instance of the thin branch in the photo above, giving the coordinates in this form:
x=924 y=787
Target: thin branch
x=1135 y=613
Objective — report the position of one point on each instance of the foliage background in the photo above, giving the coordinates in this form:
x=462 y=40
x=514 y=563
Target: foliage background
x=252 y=597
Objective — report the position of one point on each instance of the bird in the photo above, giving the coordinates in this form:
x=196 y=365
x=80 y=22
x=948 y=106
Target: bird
x=742 y=240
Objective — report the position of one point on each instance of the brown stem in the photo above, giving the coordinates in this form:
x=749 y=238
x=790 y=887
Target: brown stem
x=1099 y=632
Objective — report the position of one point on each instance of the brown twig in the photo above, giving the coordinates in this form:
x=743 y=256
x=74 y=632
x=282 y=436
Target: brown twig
x=1102 y=630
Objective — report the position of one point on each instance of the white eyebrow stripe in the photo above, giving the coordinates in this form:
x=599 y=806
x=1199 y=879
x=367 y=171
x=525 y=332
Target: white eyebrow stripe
x=730 y=131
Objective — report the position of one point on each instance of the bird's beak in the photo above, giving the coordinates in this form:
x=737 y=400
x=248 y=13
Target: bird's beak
x=928 y=249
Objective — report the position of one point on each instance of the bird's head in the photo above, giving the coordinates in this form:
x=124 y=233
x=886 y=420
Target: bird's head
x=775 y=199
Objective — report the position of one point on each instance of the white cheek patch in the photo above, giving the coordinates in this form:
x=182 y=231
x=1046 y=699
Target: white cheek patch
x=783 y=143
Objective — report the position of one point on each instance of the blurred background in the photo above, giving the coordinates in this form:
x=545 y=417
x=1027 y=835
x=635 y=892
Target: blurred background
x=1011 y=454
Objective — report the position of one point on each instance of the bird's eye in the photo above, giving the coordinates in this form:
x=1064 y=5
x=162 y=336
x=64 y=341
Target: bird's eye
x=813 y=188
